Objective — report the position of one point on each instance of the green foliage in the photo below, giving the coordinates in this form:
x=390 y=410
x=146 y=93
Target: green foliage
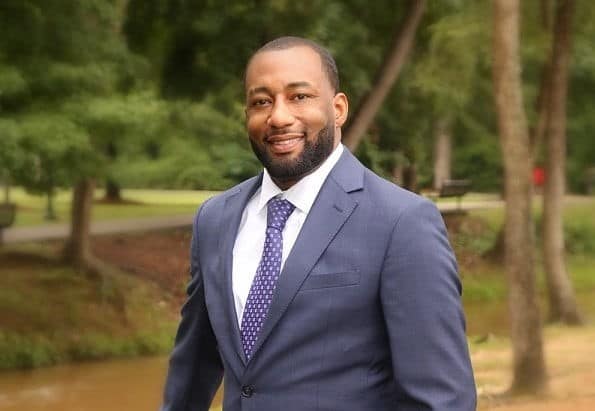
x=56 y=152
x=445 y=78
x=20 y=351
x=98 y=346
x=54 y=60
x=474 y=237
x=13 y=85
x=484 y=281
x=458 y=42
x=484 y=288
x=579 y=229
x=580 y=238
x=198 y=147
x=65 y=48
x=60 y=80
x=580 y=267
x=477 y=155
x=100 y=63
x=11 y=153
x=37 y=350
x=581 y=107
x=122 y=123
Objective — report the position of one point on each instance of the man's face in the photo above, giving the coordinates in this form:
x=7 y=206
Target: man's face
x=293 y=116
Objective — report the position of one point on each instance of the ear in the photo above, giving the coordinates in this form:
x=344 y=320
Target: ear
x=341 y=109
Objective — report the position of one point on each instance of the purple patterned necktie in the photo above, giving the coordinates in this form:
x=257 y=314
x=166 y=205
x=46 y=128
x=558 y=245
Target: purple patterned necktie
x=265 y=280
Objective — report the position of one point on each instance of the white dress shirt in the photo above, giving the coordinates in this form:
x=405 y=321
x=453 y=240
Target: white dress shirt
x=247 y=250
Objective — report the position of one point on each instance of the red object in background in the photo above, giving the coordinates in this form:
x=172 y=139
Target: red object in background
x=538 y=176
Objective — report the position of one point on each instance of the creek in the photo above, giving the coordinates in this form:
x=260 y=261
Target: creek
x=137 y=384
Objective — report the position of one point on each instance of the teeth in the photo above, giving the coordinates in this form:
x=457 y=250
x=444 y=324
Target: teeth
x=285 y=142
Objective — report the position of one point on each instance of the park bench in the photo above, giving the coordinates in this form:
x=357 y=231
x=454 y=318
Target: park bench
x=7 y=214
x=454 y=188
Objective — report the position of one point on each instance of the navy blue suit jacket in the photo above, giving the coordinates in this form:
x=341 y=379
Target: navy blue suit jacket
x=366 y=315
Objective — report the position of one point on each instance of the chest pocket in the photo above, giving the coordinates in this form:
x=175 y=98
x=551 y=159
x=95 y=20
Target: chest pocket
x=339 y=279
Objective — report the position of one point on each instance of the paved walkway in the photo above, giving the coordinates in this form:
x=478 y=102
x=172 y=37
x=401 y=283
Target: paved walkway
x=59 y=231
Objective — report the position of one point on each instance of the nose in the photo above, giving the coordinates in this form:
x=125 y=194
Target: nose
x=280 y=115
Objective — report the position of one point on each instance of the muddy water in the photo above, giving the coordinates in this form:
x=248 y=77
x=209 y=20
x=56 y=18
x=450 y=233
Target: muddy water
x=132 y=385
x=124 y=385
x=136 y=385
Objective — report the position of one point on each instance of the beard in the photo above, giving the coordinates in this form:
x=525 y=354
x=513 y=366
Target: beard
x=313 y=155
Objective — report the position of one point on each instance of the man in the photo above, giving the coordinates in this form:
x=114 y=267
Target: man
x=317 y=285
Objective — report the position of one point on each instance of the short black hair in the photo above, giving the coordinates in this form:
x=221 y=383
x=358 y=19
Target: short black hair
x=328 y=62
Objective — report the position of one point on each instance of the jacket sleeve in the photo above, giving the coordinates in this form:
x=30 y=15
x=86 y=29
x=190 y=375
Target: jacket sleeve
x=421 y=302
x=195 y=368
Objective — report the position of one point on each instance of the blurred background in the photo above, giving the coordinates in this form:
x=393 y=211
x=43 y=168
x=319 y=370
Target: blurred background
x=118 y=118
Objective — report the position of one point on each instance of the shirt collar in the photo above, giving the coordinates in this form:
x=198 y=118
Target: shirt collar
x=303 y=193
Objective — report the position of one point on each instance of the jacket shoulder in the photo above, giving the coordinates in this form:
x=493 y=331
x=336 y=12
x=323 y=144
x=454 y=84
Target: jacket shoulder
x=218 y=201
x=391 y=198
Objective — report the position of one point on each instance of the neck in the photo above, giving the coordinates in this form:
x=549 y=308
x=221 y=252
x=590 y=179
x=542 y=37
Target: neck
x=285 y=184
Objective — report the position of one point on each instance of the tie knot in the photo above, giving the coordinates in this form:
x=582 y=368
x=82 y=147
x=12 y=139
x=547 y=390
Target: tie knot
x=278 y=211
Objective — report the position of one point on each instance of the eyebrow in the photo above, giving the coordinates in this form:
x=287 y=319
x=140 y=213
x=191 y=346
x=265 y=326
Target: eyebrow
x=295 y=84
x=298 y=84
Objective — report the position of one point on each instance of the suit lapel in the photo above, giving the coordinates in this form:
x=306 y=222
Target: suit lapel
x=329 y=212
x=232 y=216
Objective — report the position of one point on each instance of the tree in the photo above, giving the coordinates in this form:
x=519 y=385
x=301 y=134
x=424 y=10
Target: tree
x=442 y=152
x=122 y=127
x=529 y=365
x=562 y=302
x=447 y=73
x=77 y=249
x=11 y=154
x=54 y=151
x=386 y=77
x=61 y=56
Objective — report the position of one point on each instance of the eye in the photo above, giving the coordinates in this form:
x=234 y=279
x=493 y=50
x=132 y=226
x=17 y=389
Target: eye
x=259 y=102
x=300 y=96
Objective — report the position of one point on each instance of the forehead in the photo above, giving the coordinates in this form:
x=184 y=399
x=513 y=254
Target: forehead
x=281 y=67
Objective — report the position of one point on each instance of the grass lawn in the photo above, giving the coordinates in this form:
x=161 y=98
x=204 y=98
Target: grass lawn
x=139 y=203
x=484 y=284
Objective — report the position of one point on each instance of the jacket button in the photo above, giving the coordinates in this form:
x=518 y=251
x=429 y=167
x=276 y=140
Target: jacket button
x=247 y=391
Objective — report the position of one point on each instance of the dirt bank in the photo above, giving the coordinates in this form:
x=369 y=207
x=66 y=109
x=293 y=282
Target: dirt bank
x=159 y=256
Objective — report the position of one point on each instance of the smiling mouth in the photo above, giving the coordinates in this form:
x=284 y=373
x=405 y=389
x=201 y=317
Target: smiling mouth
x=287 y=142
x=284 y=143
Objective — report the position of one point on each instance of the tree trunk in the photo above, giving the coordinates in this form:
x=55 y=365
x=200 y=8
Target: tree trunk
x=442 y=152
x=386 y=77
x=6 y=181
x=112 y=191
x=398 y=169
x=537 y=131
x=546 y=13
x=562 y=302
x=112 y=188
x=410 y=177
x=50 y=210
x=77 y=249
x=529 y=365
